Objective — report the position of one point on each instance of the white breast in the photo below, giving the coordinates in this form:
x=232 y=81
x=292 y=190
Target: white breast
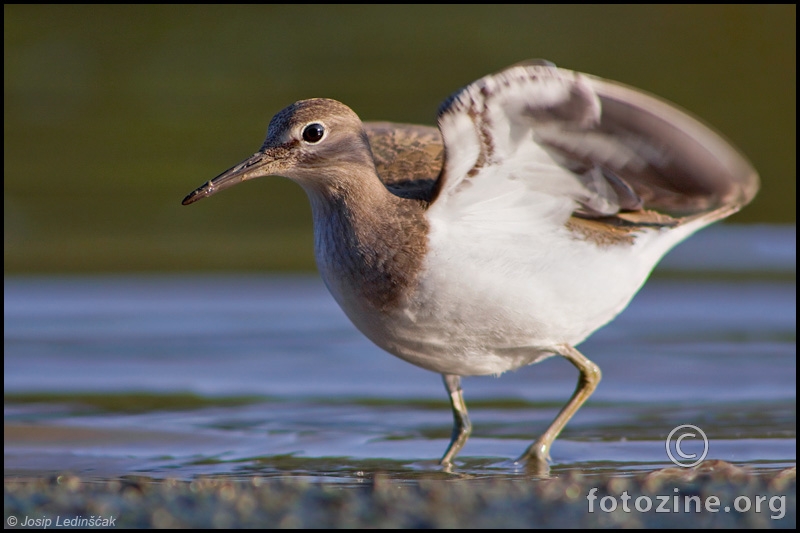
x=488 y=305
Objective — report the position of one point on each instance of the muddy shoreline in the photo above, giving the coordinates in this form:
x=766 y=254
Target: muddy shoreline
x=714 y=494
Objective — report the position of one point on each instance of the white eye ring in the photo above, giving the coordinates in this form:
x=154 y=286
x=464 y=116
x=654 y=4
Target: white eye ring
x=313 y=133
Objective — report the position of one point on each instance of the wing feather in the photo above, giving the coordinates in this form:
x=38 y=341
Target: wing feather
x=596 y=147
x=408 y=157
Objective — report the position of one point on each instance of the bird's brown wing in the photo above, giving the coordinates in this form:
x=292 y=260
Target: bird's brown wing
x=408 y=157
x=621 y=156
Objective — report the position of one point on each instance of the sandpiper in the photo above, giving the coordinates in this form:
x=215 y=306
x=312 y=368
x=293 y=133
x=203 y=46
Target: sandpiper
x=527 y=221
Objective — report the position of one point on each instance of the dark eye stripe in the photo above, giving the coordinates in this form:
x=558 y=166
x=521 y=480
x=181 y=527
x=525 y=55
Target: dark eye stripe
x=313 y=133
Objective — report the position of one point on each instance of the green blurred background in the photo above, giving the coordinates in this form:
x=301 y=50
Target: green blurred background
x=114 y=113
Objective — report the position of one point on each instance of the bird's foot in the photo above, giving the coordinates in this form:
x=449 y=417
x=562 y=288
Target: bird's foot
x=536 y=460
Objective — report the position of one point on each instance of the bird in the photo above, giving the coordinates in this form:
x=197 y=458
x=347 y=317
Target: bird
x=509 y=234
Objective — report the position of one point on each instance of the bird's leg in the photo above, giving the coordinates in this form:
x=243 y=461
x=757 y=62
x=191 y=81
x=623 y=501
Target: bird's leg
x=461 y=424
x=539 y=452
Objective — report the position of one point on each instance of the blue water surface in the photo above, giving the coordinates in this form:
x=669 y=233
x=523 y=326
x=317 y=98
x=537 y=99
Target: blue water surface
x=181 y=375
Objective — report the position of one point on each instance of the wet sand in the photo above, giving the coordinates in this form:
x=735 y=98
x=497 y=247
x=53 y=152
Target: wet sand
x=727 y=495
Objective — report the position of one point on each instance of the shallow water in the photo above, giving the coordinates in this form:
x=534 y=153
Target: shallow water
x=182 y=375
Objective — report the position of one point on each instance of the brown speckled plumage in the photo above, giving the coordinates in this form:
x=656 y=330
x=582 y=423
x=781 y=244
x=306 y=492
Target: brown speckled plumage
x=408 y=157
x=376 y=247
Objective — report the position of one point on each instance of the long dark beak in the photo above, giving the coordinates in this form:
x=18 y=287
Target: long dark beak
x=258 y=165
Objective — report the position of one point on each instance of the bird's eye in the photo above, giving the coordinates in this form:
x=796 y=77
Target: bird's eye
x=313 y=133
